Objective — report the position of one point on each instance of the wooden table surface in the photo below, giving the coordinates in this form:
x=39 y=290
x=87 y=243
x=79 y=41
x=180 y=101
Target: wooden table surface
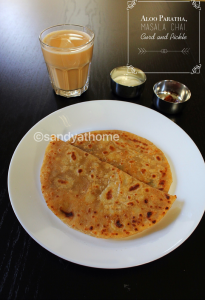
x=27 y=270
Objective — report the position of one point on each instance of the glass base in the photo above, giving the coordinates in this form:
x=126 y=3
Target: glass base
x=73 y=93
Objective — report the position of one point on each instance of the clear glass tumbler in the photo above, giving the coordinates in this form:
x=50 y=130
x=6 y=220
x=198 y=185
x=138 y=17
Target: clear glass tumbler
x=67 y=50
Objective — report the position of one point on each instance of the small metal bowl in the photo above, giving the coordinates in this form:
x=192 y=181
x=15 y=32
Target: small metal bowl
x=170 y=87
x=127 y=81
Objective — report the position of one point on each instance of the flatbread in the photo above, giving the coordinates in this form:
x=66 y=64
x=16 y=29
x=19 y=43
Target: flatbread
x=97 y=198
x=132 y=154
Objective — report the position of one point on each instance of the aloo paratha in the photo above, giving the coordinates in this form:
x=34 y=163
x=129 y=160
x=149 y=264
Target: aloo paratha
x=132 y=154
x=97 y=198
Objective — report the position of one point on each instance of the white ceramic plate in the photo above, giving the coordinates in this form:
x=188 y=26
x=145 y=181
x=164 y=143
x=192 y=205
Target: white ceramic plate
x=45 y=228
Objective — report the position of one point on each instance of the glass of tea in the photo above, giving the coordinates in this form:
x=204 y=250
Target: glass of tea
x=67 y=50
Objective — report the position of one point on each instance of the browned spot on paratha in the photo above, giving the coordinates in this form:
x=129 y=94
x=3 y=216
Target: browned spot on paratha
x=134 y=187
x=67 y=214
x=62 y=181
x=73 y=156
x=109 y=195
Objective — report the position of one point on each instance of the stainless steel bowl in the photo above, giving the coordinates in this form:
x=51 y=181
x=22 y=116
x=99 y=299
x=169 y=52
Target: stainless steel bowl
x=170 y=87
x=127 y=81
